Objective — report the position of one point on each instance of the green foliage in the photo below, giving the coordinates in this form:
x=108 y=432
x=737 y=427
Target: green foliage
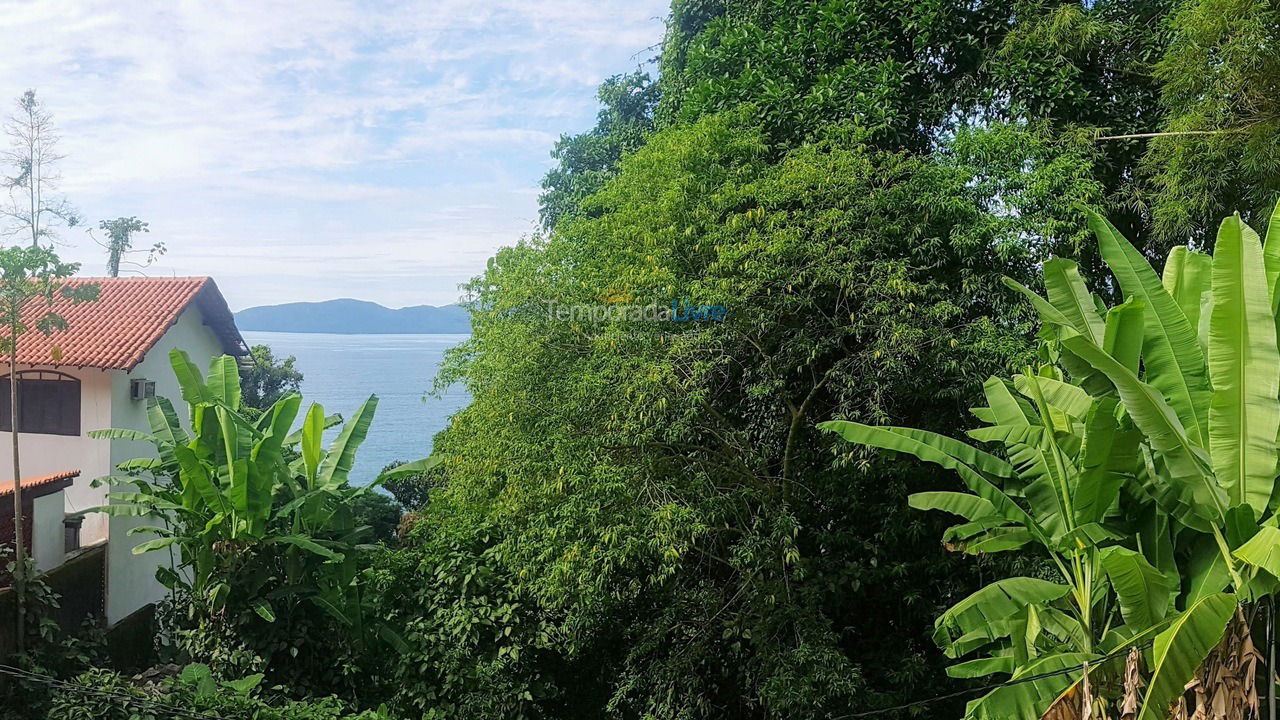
x=35 y=275
x=379 y=513
x=666 y=472
x=479 y=647
x=587 y=160
x=1218 y=77
x=105 y=695
x=119 y=243
x=1141 y=446
x=268 y=378
x=268 y=567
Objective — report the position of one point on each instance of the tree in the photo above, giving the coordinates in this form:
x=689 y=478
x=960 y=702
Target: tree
x=1220 y=144
x=665 y=471
x=30 y=283
x=119 y=243
x=34 y=208
x=585 y=161
x=268 y=378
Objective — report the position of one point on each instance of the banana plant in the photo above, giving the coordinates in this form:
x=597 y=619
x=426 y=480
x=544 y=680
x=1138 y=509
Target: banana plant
x=258 y=513
x=1139 y=459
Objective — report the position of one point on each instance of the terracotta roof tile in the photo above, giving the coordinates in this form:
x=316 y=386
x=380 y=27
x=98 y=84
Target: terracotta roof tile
x=41 y=484
x=128 y=318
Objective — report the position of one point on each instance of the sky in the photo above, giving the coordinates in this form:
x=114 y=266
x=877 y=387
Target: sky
x=309 y=150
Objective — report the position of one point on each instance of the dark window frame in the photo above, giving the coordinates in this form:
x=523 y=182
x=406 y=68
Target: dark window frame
x=49 y=403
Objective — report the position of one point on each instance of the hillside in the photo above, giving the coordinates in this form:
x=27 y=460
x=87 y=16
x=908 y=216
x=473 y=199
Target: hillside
x=354 y=316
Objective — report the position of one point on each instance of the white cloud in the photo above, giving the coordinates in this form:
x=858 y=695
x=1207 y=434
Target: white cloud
x=308 y=149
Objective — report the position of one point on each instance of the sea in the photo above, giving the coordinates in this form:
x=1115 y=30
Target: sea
x=341 y=371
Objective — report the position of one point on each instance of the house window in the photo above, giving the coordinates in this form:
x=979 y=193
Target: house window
x=48 y=403
x=71 y=533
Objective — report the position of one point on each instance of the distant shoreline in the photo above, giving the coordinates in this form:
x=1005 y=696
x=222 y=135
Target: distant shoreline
x=355 y=317
x=345 y=332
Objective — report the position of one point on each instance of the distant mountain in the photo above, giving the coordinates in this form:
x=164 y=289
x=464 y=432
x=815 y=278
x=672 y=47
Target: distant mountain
x=354 y=316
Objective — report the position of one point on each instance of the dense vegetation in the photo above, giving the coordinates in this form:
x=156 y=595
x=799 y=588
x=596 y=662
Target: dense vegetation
x=850 y=181
x=637 y=516
x=1142 y=462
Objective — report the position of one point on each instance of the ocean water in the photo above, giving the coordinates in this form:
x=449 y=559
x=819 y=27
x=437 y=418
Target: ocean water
x=342 y=371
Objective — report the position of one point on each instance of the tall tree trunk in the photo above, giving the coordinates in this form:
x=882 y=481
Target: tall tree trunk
x=19 y=552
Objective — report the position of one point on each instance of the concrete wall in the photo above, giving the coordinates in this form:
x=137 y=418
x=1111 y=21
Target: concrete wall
x=47 y=454
x=47 y=536
x=131 y=581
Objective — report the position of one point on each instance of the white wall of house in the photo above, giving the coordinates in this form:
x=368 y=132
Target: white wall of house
x=47 y=536
x=48 y=454
x=131 y=582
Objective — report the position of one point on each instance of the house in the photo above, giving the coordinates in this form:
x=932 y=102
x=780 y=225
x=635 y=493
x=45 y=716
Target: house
x=98 y=373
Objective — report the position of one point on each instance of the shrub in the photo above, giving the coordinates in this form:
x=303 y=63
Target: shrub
x=105 y=695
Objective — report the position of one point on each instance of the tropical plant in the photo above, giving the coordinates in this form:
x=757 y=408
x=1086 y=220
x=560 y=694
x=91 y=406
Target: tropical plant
x=195 y=693
x=32 y=279
x=1140 y=460
x=259 y=536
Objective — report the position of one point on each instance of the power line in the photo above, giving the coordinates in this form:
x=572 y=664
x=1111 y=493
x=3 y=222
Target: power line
x=986 y=688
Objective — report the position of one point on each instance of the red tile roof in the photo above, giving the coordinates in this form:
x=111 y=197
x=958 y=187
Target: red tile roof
x=128 y=318
x=41 y=485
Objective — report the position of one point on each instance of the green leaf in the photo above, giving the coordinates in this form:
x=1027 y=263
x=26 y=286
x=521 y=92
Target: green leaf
x=1162 y=427
x=981 y=667
x=1186 y=278
x=969 y=507
x=417 y=467
x=1068 y=398
x=995 y=602
x=263 y=609
x=218 y=596
x=1174 y=363
x=1043 y=680
x=121 y=434
x=1106 y=455
x=1048 y=313
x=1262 y=550
x=1068 y=293
x=1125 y=331
x=937 y=449
x=1207 y=572
x=156 y=544
x=997 y=540
x=1244 y=365
x=1179 y=650
x=224 y=381
x=312 y=435
x=194 y=390
x=1143 y=591
x=1271 y=259
x=337 y=463
x=246 y=684
x=308 y=544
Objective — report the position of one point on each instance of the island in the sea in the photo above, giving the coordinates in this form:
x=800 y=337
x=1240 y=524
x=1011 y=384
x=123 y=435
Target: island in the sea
x=354 y=316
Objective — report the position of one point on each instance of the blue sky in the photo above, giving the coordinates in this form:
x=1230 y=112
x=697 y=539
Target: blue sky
x=311 y=150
